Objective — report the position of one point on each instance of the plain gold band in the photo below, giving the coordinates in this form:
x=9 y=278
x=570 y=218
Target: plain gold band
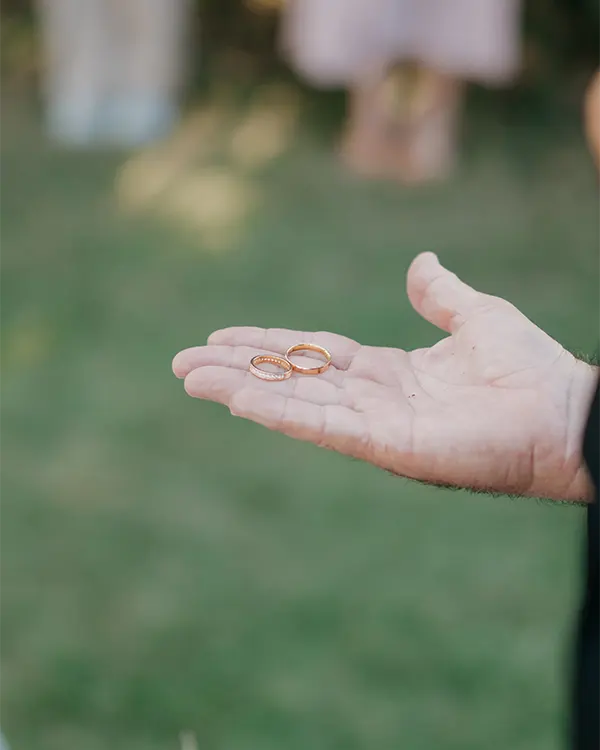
x=309 y=348
x=272 y=360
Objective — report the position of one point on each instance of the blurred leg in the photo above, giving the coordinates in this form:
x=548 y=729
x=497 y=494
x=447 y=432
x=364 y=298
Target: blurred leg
x=148 y=69
x=431 y=139
x=365 y=142
x=74 y=35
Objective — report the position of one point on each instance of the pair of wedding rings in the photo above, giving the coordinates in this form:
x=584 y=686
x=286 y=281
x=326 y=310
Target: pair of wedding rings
x=286 y=367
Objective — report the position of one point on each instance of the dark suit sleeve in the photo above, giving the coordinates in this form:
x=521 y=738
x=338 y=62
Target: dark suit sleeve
x=586 y=708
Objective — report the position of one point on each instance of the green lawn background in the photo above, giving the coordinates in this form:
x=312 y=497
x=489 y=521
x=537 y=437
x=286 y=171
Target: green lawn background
x=167 y=567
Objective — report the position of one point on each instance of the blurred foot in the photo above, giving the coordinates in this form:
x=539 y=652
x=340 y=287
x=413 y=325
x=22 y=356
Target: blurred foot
x=429 y=155
x=365 y=145
x=430 y=135
x=365 y=156
x=403 y=127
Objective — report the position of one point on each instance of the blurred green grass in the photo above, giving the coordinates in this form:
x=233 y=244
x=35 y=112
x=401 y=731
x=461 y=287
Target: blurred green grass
x=168 y=568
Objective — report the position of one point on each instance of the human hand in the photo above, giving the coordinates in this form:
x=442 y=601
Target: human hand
x=496 y=405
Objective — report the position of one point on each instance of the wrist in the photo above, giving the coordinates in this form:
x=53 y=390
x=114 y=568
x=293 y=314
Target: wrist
x=582 y=386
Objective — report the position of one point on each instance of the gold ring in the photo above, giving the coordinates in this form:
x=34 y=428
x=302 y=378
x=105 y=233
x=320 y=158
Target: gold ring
x=272 y=360
x=309 y=348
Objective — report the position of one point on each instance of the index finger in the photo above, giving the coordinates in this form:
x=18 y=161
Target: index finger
x=279 y=340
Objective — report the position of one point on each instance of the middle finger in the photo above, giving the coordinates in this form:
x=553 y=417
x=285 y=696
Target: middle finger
x=235 y=357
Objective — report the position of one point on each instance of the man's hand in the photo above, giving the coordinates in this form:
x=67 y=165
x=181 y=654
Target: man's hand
x=496 y=405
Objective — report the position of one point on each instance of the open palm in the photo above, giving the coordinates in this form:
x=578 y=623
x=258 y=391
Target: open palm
x=496 y=405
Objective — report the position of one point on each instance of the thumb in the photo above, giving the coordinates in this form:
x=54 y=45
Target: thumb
x=592 y=116
x=438 y=295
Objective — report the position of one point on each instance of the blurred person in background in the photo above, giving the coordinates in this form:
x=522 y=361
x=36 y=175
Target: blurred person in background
x=403 y=126
x=113 y=69
x=496 y=405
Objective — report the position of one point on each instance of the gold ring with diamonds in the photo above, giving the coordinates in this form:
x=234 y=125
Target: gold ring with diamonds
x=271 y=359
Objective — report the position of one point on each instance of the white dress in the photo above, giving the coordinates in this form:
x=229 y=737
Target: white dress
x=337 y=42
